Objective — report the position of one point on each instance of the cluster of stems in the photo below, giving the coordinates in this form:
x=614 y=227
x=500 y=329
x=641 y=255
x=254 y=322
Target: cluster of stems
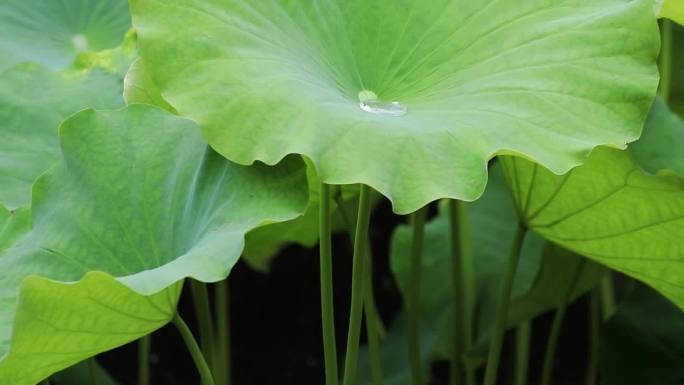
x=463 y=302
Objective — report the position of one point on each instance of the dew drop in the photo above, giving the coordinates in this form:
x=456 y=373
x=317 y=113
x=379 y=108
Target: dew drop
x=368 y=101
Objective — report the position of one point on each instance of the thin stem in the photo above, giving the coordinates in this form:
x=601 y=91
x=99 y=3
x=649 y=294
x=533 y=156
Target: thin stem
x=594 y=328
x=552 y=342
x=462 y=237
x=502 y=307
x=351 y=229
x=194 y=349
x=372 y=322
x=200 y=295
x=665 y=59
x=357 y=289
x=223 y=365
x=457 y=330
x=522 y=352
x=413 y=300
x=607 y=296
x=92 y=368
x=326 y=278
x=144 y=360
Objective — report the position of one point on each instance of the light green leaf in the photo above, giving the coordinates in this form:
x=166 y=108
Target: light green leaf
x=543 y=79
x=137 y=203
x=643 y=343
x=671 y=9
x=33 y=101
x=610 y=211
x=54 y=32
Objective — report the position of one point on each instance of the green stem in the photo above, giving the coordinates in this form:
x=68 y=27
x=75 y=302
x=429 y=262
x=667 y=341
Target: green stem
x=326 y=278
x=357 y=286
x=144 y=360
x=665 y=59
x=92 y=368
x=223 y=365
x=413 y=295
x=200 y=295
x=522 y=352
x=351 y=229
x=194 y=349
x=552 y=342
x=468 y=283
x=607 y=296
x=372 y=323
x=457 y=297
x=594 y=328
x=502 y=307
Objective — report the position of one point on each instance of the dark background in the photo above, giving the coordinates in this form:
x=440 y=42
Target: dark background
x=276 y=324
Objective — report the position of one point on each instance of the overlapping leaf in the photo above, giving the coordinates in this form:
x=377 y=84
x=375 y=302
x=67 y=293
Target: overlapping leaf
x=671 y=9
x=660 y=147
x=33 y=101
x=52 y=33
x=137 y=203
x=610 y=211
x=544 y=79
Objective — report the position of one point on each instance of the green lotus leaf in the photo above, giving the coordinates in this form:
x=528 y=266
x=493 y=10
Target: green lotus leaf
x=33 y=101
x=137 y=203
x=544 y=79
x=611 y=211
x=660 y=146
x=671 y=9
x=54 y=32
x=643 y=343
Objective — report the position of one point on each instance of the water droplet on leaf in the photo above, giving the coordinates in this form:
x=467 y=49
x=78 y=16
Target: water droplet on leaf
x=368 y=101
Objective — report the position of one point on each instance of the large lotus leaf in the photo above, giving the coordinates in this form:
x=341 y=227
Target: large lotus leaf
x=671 y=9
x=544 y=79
x=53 y=32
x=660 y=146
x=610 y=211
x=541 y=280
x=33 y=101
x=138 y=202
x=643 y=343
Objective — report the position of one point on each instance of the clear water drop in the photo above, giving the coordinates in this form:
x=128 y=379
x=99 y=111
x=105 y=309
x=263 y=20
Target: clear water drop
x=368 y=101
